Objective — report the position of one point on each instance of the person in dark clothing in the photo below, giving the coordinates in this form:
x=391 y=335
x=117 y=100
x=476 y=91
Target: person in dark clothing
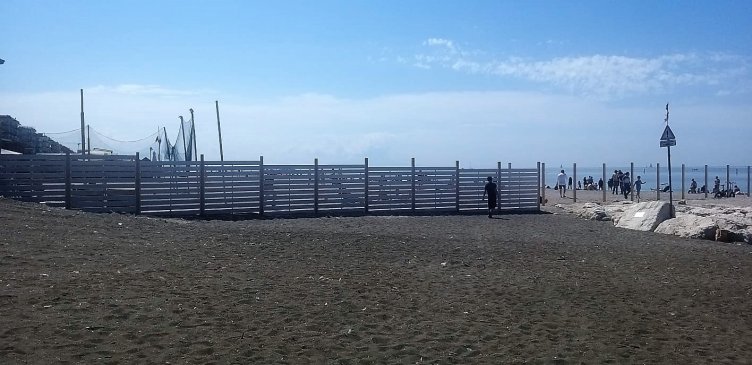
x=600 y=184
x=490 y=190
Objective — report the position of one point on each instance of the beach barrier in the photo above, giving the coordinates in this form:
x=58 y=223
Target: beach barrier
x=127 y=184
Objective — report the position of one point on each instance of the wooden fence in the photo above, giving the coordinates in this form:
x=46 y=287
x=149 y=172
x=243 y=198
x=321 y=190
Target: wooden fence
x=126 y=184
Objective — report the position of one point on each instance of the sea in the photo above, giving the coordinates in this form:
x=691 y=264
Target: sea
x=737 y=175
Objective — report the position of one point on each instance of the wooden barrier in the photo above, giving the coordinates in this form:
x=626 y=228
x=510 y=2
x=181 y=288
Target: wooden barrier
x=126 y=184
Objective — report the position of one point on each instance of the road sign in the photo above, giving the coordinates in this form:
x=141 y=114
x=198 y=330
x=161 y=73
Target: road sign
x=668 y=135
x=671 y=142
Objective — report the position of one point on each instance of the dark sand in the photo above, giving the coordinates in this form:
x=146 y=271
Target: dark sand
x=545 y=288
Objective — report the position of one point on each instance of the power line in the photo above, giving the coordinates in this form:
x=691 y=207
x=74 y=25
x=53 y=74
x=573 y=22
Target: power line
x=117 y=140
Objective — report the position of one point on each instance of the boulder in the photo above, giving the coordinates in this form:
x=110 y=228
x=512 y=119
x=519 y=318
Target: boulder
x=645 y=216
x=690 y=226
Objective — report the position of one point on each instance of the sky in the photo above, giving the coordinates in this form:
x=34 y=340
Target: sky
x=439 y=81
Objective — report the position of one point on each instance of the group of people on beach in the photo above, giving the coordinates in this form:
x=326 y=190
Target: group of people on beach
x=619 y=183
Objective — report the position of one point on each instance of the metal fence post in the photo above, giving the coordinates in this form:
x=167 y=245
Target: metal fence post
x=201 y=185
x=412 y=185
x=658 y=181
x=316 y=186
x=605 y=183
x=748 y=184
x=728 y=178
x=539 y=187
x=138 y=183
x=682 y=184
x=457 y=185
x=543 y=180
x=706 y=181
x=365 y=169
x=631 y=181
x=261 y=185
x=498 y=184
x=67 y=180
x=574 y=183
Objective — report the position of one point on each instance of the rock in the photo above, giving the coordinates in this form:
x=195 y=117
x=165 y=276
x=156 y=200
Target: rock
x=690 y=226
x=645 y=216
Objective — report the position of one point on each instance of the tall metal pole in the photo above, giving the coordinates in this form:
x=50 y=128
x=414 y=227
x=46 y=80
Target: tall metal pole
x=670 y=187
x=193 y=133
x=83 y=141
x=219 y=129
x=88 y=140
x=182 y=131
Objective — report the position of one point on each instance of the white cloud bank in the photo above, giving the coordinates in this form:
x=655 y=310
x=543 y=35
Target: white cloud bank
x=599 y=76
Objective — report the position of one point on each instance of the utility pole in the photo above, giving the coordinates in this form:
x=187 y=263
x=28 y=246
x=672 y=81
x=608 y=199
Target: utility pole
x=193 y=133
x=182 y=131
x=219 y=128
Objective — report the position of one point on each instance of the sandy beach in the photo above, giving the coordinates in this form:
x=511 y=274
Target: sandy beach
x=543 y=288
x=646 y=195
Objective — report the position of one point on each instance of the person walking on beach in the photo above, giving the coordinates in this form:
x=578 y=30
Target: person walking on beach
x=561 y=181
x=600 y=184
x=716 y=185
x=692 y=187
x=626 y=185
x=490 y=189
x=570 y=183
x=615 y=182
x=638 y=186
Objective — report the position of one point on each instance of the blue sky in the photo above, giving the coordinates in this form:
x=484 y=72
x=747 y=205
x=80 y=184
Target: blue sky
x=475 y=81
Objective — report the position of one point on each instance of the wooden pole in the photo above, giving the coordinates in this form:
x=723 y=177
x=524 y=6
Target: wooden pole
x=219 y=130
x=365 y=170
x=83 y=142
x=138 y=183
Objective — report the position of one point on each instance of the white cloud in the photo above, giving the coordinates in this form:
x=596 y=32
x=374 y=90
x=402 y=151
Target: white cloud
x=599 y=76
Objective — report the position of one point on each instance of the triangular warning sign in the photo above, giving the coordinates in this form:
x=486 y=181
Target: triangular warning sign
x=668 y=135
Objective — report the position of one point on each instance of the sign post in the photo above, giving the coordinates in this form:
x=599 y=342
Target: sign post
x=668 y=139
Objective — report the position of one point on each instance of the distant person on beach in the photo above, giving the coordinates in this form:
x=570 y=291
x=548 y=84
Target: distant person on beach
x=570 y=183
x=615 y=182
x=693 y=187
x=638 y=186
x=561 y=182
x=626 y=185
x=600 y=184
x=716 y=185
x=490 y=189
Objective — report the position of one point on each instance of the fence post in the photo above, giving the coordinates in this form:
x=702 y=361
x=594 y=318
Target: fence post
x=658 y=181
x=631 y=181
x=683 y=189
x=748 y=169
x=543 y=180
x=539 y=187
x=498 y=185
x=138 y=183
x=316 y=186
x=706 y=181
x=412 y=185
x=261 y=185
x=605 y=183
x=201 y=185
x=67 y=180
x=365 y=205
x=509 y=181
x=728 y=178
x=574 y=182
x=457 y=185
